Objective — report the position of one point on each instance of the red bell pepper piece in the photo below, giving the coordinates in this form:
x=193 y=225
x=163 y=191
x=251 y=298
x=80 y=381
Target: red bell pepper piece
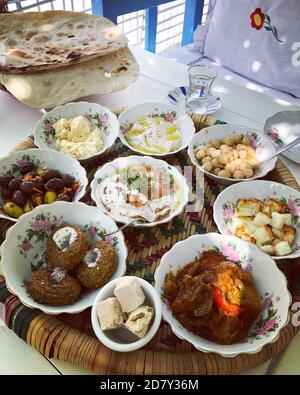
x=229 y=309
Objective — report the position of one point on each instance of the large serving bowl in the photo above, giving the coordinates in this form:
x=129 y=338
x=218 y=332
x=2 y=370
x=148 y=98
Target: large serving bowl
x=174 y=115
x=25 y=246
x=270 y=283
x=121 y=163
x=50 y=159
x=226 y=202
x=261 y=143
x=101 y=118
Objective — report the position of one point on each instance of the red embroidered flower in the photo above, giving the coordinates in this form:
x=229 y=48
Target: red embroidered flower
x=257 y=19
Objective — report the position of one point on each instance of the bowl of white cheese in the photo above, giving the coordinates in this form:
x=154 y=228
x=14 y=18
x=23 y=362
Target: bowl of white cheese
x=126 y=314
x=83 y=130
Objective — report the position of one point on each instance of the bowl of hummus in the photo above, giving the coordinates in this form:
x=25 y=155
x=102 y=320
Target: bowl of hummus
x=155 y=129
x=82 y=130
x=140 y=188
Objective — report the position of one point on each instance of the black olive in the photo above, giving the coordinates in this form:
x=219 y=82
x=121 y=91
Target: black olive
x=18 y=198
x=27 y=186
x=26 y=166
x=6 y=193
x=55 y=184
x=63 y=197
x=14 y=184
x=68 y=180
x=5 y=180
x=51 y=173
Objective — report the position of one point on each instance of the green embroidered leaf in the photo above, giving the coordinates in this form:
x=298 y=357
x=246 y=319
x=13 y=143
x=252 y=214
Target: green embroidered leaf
x=268 y=28
x=268 y=18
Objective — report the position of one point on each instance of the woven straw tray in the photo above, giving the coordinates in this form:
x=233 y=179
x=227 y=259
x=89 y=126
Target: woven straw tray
x=71 y=338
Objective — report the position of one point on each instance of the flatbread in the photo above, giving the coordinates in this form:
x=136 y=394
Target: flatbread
x=105 y=74
x=34 y=41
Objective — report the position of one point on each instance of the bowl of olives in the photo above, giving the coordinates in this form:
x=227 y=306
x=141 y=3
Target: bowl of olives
x=34 y=177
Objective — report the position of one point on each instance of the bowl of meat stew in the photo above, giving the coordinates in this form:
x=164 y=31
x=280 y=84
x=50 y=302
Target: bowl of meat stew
x=222 y=294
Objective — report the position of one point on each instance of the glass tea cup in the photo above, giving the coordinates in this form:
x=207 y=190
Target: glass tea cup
x=198 y=97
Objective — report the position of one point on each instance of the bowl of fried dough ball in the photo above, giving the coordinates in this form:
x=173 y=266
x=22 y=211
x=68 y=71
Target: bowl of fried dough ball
x=57 y=257
x=230 y=153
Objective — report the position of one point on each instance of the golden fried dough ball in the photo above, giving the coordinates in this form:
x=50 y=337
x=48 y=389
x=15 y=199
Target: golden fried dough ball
x=200 y=153
x=248 y=172
x=216 y=143
x=207 y=166
x=223 y=158
x=225 y=173
x=238 y=174
x=246 y=140
x=206 y=159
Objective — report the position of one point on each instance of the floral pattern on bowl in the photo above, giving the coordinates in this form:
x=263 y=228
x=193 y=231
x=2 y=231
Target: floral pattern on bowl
x=100 y=117
x=44 y=158
x=24 y=249
x=262 y=144
x=275 y=297
x=140 y=111
x=225 y=204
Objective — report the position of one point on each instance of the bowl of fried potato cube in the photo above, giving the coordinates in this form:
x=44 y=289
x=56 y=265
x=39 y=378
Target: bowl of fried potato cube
x=264 y=213
x=230 y=153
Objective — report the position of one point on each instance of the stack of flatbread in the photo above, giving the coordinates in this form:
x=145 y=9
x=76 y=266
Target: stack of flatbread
x=53 y=57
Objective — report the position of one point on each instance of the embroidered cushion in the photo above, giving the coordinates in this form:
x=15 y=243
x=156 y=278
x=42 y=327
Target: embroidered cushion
x=258 y=39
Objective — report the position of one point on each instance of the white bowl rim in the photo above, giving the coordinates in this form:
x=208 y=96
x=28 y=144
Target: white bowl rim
x=185 y=189
x=205 y=350
x=46 y=151
x=43 y=307
x=171 y=108
x=70 y=104
x=292 y=255
x=191 y=154
x=139 y=343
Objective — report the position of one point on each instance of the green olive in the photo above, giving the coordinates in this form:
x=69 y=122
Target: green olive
x=39 y=170
x=28 y=207
x=50 y=197
x=12 y=210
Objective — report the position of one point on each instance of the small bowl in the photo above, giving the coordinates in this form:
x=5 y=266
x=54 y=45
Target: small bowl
x=121 y=339
x=51 y=159
x=101 y=117
x=121 y=163
x=270 y=283
x=171 y=113
x=261 y=143
x=226 y=201
x=25 y=245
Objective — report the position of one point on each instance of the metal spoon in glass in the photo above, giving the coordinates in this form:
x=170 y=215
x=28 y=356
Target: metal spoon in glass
x=283 y=149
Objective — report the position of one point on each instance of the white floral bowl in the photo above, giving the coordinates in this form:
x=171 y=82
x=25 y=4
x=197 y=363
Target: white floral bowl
x=121 y=339
x=120 y=163
x=52 y=160
x=261 y=143
x=226 y=202
x=101 y=117
x=270 y=283
x=183 y=122
x=25 y=245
